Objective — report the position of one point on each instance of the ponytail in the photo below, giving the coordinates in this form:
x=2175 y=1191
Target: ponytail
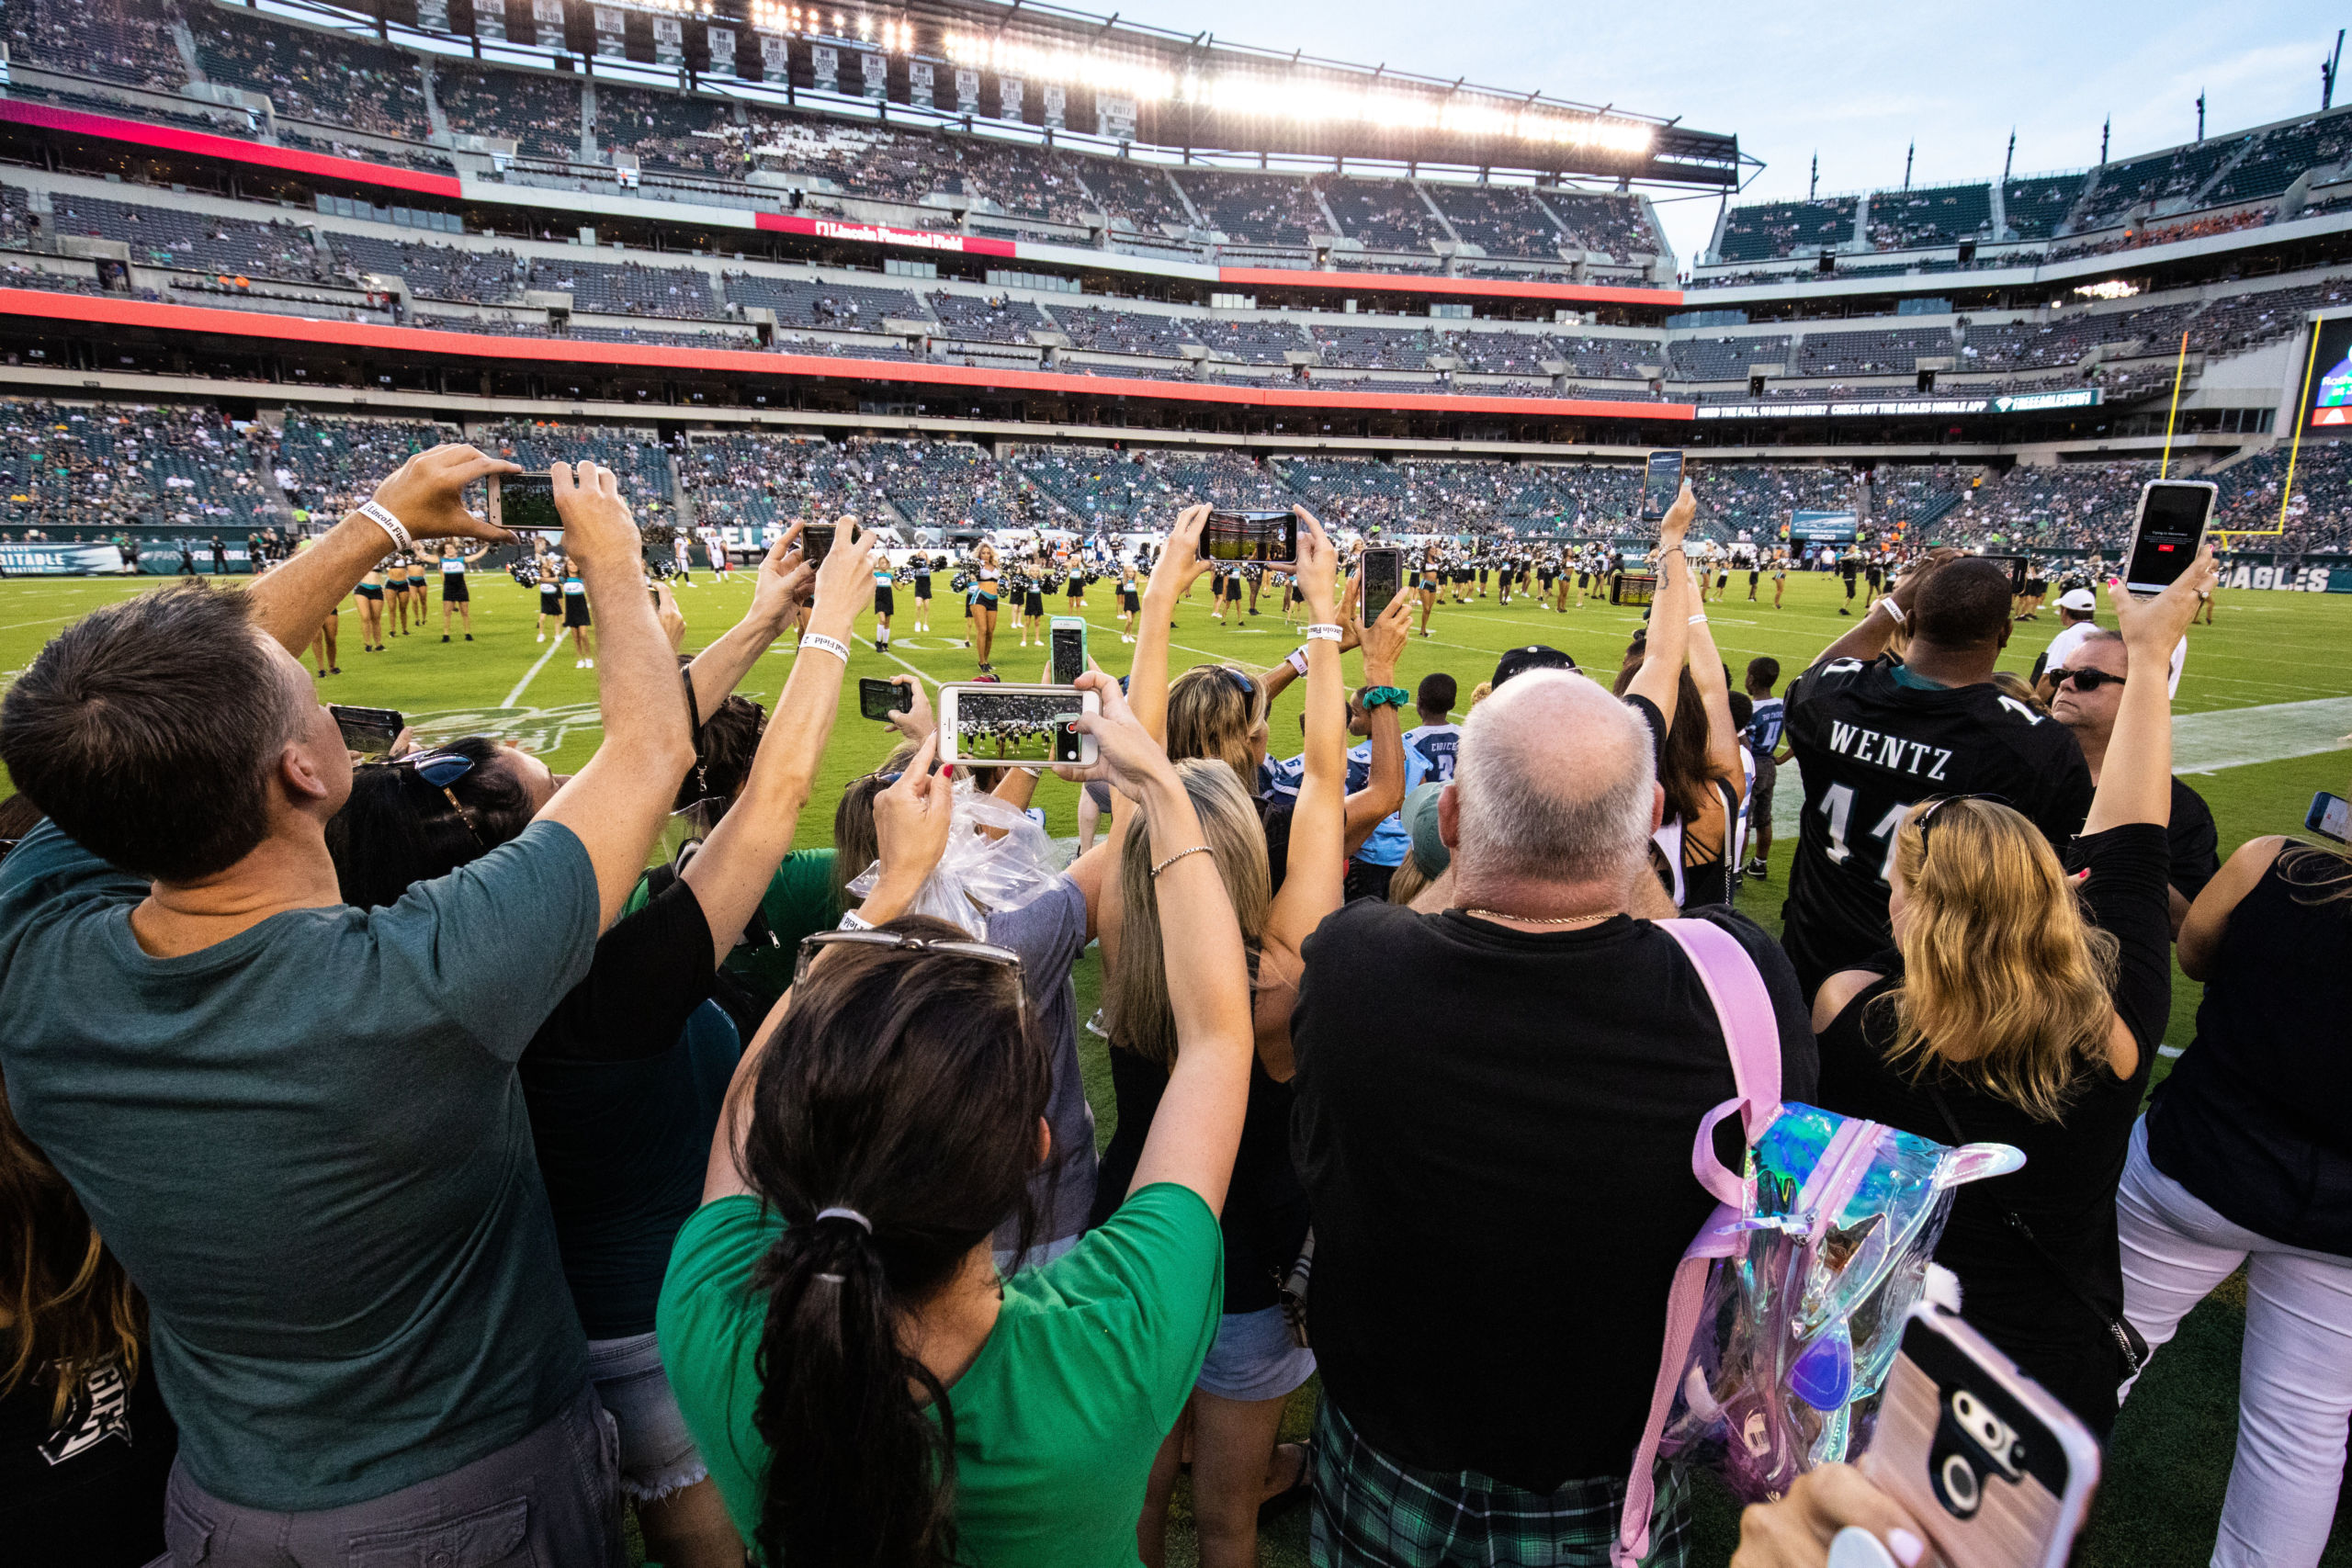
x=894 y=1126
x=858 y=1473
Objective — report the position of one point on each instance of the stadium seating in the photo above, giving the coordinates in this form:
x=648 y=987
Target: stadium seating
x=1098 y=488
x=1373 y=349
x=841 y=307
x=997 y=320
x=1904 y=219
x=1773 y=228
x=1503 y=220
x=72 y=471
x=1724 y=358
x=1878 y=351
x=638 y=457
x=1388 y=215
x=1266 y=210
x=2280 y=155
x=668 y=130
x=330 y=465
x=2036 y=206
x=127 y=41
x=312 y=74
x=436 y=271
x=1502 y=353
x=625 y=289
x=2116 y=189
x=539 y=113
x=1135 y=193
x=1126 y=331
x=175 y=237
x=1253 y=342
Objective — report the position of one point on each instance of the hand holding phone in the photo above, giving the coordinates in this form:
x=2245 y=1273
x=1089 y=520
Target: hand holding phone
x=1996 y=1471
x=1383 y=576
x=1661 y=482
x=882 y=699
x=2173 y=515
x=368 y=732
x=524 y=503
x=1004 y=725
x=1067 y=635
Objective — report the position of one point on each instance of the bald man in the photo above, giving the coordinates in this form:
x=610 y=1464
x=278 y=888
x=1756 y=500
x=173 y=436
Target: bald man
x=1465 y=1078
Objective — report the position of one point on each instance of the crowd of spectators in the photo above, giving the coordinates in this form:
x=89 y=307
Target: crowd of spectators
x=329 y=465
x=68 y=469
x=310 y=74
x=127 y=41
x=996 y=318
x=540 y=114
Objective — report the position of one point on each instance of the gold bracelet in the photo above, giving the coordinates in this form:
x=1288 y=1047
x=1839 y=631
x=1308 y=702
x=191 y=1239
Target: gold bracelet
x=1180 y=854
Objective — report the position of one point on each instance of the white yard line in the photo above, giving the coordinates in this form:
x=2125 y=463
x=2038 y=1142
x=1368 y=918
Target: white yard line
x=516 y=696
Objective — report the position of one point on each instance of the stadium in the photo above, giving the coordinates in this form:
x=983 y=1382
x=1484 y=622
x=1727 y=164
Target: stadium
x=1016 y=282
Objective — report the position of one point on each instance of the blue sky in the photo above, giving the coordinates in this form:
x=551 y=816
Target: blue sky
x=1854 y=82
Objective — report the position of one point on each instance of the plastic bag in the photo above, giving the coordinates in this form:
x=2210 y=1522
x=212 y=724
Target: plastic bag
x=980 y=872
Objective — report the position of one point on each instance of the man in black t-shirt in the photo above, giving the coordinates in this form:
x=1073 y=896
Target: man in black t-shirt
x=2086 y=705
x=1876 y=735
x=1849 y=565
x=1494 y=1114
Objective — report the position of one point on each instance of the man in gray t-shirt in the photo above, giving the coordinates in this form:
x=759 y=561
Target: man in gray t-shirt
x=297 y=1124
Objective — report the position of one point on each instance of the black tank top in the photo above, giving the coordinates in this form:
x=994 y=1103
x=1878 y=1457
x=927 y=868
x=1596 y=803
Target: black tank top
x=2252 y=1119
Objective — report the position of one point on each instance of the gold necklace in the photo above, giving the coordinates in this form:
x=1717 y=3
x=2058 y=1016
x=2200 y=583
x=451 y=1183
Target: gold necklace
x=1542 y=919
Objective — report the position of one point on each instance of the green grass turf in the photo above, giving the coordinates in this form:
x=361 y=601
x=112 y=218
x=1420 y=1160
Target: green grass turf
x=2170 y=1458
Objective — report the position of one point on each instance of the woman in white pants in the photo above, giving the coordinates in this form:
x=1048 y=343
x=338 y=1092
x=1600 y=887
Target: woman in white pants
x=2244 y=1159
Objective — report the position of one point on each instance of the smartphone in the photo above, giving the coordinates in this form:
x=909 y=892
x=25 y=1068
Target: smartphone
x=816 y=542
x=2330 y=817
x=1383 y=578
x=1068 y=636
x=1661 y=482
x=1997 y=1472
x=1269 y=538
x=524 y=503
x=2165 y=537
x=880 y=699
x=371 y=731
x=995 y=726
x=2020 y=568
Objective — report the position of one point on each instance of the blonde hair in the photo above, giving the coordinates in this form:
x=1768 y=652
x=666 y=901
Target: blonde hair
x=2323 y=872
x=1135 y=987
x=1408 y=881
x=67 y=1306
x=1213 y=710
x=1480 y=691
x=1997 y=959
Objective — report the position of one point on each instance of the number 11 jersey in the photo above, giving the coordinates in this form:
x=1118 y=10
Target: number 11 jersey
x=1874 y=739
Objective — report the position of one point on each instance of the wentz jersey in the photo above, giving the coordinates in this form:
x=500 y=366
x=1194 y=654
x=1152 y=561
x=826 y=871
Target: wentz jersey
x=1871 y=745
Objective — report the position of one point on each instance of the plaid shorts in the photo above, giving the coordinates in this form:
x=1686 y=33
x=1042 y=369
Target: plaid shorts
x=1371 y=1512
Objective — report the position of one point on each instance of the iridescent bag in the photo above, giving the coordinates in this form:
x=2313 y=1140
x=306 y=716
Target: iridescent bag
x=1787 y=1309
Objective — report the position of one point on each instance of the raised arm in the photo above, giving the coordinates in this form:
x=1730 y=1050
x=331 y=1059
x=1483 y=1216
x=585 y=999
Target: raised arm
x=1179 y=568
x=731 y=873
x=1384 y=791
x=1672 y=604
x=2135 y=781
x=424 y=494
x=618 y=801
x=782 y=583
x=1876 y=628
x=1197 y=1129
x=1707 y=673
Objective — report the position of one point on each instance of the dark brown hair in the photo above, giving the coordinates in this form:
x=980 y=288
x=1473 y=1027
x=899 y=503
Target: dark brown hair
x=147 y=731
x=902 y=1086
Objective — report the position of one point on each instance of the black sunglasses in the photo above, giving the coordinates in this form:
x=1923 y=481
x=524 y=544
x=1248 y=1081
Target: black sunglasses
x=1925 y=812
x=2083 y=679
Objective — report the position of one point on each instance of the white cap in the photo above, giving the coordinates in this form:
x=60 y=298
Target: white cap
x=2081 y=600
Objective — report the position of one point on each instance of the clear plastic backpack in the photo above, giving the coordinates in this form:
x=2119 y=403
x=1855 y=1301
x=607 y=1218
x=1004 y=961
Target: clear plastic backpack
x=1787 y=1309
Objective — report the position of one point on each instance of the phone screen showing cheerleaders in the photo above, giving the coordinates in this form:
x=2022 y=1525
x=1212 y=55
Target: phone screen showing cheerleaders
x=525 y=504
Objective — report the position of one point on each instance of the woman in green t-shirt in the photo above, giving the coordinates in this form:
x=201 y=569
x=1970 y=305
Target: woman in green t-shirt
x=863 y=1385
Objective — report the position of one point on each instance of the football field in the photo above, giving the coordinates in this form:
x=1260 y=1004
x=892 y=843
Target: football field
x=2266 y=695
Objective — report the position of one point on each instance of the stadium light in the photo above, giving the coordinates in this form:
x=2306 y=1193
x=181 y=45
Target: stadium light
x=1314 y=102
x=1143 y=82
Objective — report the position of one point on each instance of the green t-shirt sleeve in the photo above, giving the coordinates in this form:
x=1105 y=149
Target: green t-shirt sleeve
x=498 y=942
x=799 y=899
x=48 y=864
x=1163 y=1254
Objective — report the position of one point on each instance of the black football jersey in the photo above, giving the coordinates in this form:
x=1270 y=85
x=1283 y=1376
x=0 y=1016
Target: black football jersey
x=1871 y=747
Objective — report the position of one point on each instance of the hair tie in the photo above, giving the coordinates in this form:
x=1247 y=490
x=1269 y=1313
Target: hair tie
x=862 y=1222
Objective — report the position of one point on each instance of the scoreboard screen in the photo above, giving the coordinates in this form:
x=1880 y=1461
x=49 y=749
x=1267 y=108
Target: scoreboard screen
x=2330 y=404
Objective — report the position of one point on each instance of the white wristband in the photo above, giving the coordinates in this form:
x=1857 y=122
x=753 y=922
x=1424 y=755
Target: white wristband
x=1698 y=620
x=1891 y=608
x=379 y=514
x=1296 y=659
x=824 y=644
x=854 y=922
x=1323 y=632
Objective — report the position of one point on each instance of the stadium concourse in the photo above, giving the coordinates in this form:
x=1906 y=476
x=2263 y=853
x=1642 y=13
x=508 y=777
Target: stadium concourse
x=407 y=1156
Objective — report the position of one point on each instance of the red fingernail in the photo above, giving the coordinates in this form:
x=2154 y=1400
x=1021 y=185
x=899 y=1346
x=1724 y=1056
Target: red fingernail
x=949 y=771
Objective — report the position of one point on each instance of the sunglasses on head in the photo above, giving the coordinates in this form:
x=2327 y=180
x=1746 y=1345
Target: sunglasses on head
x=1926 y=813
x=2085 y=680
x=811 y=947
x=440 y=769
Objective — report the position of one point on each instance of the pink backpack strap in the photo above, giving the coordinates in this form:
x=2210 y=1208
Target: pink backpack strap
x=1751 y=1033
